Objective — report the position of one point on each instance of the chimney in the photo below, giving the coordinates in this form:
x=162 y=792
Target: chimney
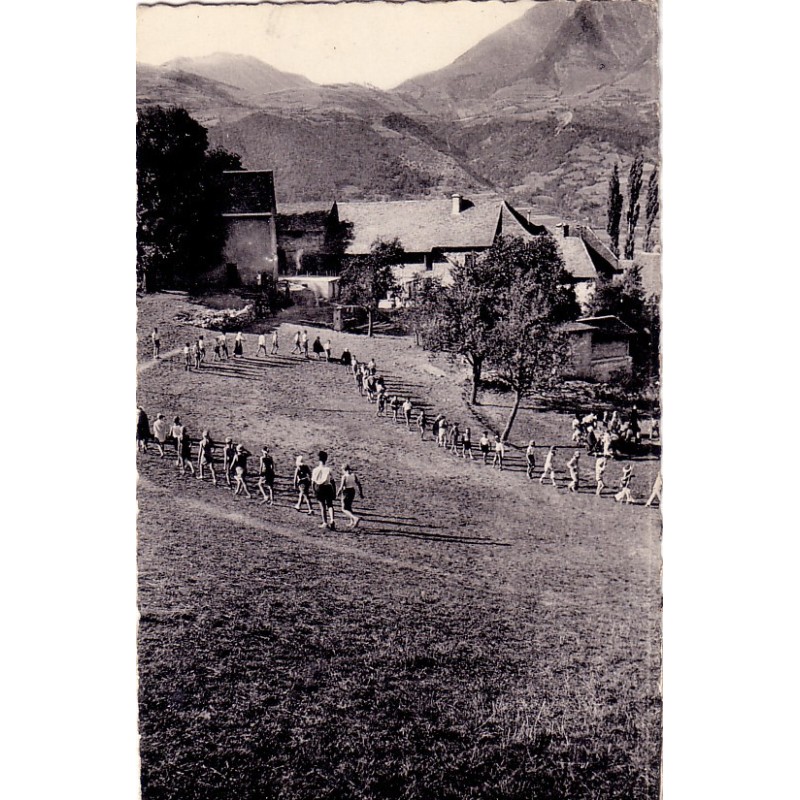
x=456 y=209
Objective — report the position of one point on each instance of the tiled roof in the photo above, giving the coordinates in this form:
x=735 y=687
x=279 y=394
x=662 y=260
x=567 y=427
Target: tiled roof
x=607 y=324
x=425 y=225
x=576 y=257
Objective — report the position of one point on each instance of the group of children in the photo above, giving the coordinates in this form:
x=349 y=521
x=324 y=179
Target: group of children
x=194 y=355
x=610 y=433
x=453 y=439
x=318 y=483
x=600 y=434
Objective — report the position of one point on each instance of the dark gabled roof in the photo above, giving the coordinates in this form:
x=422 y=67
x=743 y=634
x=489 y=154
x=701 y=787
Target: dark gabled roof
x=248 y=192
x=607 y=324
x=426 y=225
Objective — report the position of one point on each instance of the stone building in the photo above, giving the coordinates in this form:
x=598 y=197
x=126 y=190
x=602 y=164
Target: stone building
x=251 y=247
x=600 y=348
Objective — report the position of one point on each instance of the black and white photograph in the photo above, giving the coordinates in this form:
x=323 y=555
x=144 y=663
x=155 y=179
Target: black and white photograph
x=398 y=400
x=419 y=303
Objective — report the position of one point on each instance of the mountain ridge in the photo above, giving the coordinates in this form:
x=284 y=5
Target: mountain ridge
x=539 y=110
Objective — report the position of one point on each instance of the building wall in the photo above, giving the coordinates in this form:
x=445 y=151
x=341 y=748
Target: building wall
x=252 y=247
x=301 y=239
x=584 y=290
x=580 y=362
x=416 y=266
x=596 y=357
x=605 y=369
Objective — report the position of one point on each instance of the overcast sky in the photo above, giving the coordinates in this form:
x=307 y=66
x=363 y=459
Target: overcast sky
x=378 y=43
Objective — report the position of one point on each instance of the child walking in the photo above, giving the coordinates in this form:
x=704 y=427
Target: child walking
x=624 y=494
x=347 y=491
x=205 y=458
x=655 y=494
x=499 y=452
x=266 y=475
x=228 y=454
x=466 y=444
x=422 y=423
x=302 y=482
x=324 y=490
x=573 y=467
x=239 y=464
x=407 y=406
x=185 y=451
x=599 y=469
x=548 y=471
x=483 y=442
x=530 y=459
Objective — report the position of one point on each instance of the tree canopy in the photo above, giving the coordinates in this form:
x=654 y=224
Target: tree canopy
x=626 y=299
x=180 y=231
x=368 y=279
x=529 y=347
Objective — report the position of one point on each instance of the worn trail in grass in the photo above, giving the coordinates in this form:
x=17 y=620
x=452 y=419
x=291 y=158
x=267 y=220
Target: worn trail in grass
x=477 y=636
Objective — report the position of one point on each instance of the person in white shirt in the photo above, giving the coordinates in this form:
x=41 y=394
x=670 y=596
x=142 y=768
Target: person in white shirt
x=161 y=433
x=483 y=442
x=530 y=459
x=262 y=344
x=599 y=469
x=499 y=452
x=324 y=490
x=407 y=406
x=274 y=348
x=297 y=348
x=573 y=466
x=548 y=471
x=654 y=494
x=624 y=494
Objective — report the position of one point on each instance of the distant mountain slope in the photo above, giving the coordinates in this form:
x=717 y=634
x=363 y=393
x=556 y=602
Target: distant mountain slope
x=539 y=111
x=554 y=48
x=246 y=74
x=208 y=101
x=342 y=157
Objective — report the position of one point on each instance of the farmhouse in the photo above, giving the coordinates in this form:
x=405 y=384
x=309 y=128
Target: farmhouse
x=600 y=348
x=435 y=233
x=251 y=247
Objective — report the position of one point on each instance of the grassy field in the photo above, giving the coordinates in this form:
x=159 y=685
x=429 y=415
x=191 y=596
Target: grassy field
x=478 y=636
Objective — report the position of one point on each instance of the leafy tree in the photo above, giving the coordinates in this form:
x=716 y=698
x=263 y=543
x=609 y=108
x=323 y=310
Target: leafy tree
x=529 y=347
x=614 y=210
x=366 y=280
x=625 y=298
x=651 y=209
x=421 y=313
x=180 y=232
x=461 y=317
x=632 y=217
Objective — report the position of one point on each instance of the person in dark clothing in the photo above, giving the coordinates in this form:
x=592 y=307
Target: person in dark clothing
x=142 y=429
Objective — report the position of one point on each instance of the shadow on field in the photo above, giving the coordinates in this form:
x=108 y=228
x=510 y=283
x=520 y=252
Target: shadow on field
x=416 y=529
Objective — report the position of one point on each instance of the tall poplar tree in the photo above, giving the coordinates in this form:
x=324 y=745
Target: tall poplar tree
x=632 y=217
x=651 y=209
x=614 y=210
